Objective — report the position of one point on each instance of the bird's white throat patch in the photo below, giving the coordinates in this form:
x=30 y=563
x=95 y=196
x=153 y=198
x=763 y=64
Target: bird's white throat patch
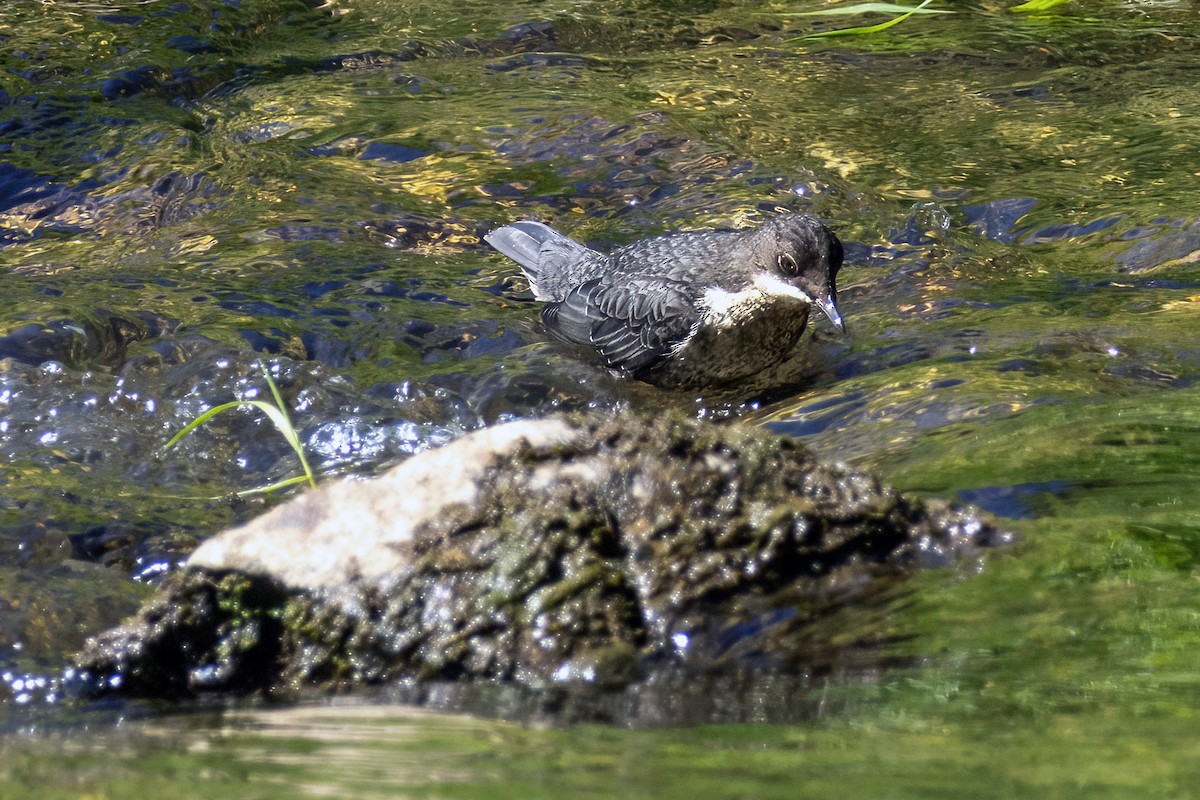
x=777 y=287
x=724 y=309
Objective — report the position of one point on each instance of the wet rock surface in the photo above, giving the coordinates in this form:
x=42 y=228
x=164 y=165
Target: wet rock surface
x=568 y=551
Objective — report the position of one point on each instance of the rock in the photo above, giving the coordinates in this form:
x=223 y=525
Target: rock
x=361 y=531
x=562 y=551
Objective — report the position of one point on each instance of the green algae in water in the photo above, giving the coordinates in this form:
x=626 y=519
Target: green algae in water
x=1066 y=669
x=381 y=751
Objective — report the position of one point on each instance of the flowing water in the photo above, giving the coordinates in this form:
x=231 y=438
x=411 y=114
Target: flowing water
x=188 y=188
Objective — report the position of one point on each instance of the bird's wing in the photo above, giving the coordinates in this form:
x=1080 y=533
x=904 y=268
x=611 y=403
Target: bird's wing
x=634 y=323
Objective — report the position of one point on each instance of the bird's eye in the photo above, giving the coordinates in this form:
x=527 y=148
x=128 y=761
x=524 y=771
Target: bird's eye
x=787 y=263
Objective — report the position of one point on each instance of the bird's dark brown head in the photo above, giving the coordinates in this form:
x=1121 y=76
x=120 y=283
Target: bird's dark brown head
x=805 y=254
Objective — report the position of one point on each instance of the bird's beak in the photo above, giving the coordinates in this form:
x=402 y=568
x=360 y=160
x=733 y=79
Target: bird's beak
x=829 y=306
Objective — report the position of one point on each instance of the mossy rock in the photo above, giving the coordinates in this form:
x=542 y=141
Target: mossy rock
x=577 y=550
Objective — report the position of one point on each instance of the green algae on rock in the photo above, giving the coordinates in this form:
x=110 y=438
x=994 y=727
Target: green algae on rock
x=572 y=550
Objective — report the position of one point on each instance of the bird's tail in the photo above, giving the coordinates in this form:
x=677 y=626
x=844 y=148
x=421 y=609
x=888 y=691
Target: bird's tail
x=550 y=260
x=522 y=241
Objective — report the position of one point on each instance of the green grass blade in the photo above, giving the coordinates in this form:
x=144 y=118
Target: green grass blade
x=266 y=373
x=286 y=427
x=275 y=486
x=883 y=26
x=200 y=420
x=279 y=420
x=278 y=415
x=1038 y=5
x=879 y=8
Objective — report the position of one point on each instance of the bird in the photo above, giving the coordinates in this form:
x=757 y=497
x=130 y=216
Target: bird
x=683 y=310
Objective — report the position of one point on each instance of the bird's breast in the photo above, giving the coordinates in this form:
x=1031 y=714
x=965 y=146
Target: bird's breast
x=725 y=310
x=739 y=333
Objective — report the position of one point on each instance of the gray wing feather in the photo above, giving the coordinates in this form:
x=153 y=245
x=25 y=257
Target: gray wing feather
x=634 y=325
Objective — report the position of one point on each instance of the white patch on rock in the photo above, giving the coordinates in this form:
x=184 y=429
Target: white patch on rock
x=348 y=530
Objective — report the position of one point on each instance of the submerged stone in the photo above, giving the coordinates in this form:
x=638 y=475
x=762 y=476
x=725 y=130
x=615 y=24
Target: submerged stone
x=561 y=551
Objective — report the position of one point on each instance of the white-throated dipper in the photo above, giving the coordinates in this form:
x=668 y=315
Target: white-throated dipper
x=686 y=309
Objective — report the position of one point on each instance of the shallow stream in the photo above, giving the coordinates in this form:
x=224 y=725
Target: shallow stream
x=188 y=188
